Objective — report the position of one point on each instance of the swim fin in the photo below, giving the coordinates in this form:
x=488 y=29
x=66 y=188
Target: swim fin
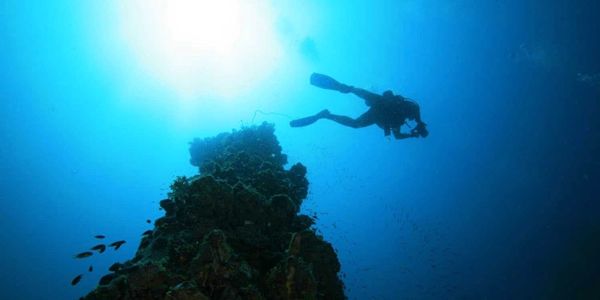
x=304 y=121
x=326 y=82
x=309 y=120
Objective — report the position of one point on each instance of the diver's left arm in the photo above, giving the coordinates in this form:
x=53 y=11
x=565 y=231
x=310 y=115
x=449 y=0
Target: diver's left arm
x=400 y=136
x=421 y=129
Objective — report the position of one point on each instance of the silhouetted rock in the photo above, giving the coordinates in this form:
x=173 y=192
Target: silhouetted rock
x=231 y=232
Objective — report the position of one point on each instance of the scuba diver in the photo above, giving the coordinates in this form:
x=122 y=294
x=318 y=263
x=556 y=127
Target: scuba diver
x=388 y=111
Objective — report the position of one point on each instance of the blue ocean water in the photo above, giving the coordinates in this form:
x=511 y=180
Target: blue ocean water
x=498 y=202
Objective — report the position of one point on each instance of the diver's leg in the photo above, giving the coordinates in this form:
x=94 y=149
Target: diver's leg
x=370 y=98
x=363 y=121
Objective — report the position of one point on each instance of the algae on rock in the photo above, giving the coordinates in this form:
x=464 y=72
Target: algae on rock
x=231 y=232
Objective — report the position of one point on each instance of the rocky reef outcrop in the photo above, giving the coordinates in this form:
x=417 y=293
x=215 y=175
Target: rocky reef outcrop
x=231 y=232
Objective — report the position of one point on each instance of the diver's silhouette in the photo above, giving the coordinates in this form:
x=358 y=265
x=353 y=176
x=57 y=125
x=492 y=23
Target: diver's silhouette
x=388 y=111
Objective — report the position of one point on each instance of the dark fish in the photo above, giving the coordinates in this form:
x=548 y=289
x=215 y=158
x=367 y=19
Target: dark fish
x=117 y=244
x=76 y=280
x=115 y=267
x=84 y=254
x=148 y=221
x=91 y=268
x=100 y=248
x=99 y=236
x=147 y=232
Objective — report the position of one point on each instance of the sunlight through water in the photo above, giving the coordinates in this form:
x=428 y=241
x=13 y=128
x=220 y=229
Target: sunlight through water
x=202 y=48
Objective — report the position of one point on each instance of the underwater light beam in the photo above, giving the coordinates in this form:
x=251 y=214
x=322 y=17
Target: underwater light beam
x=200 y=47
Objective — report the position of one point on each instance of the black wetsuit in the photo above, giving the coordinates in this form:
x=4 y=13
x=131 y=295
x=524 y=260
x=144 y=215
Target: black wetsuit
x=387 y=112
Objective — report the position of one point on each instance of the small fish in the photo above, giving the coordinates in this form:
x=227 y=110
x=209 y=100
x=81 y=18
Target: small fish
x=147 y=232
x=117 y=244
x=100 y=248
x=91 y=268
x=115 y=267
x=148 y=221
x=76 y=280
x=100 y=236
x=84 y=254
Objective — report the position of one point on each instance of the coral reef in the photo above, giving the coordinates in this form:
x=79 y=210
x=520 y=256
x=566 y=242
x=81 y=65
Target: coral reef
x=231 y=232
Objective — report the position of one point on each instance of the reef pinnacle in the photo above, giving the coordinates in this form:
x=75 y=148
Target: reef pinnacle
x=231 y=232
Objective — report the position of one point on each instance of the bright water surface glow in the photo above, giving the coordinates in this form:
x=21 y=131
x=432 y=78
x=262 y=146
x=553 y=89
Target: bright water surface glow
x=202 y=48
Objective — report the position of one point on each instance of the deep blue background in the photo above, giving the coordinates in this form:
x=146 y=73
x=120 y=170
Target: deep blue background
x=499 y=202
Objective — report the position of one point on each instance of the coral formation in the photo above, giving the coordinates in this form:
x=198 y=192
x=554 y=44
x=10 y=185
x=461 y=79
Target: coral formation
x=231 y=232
